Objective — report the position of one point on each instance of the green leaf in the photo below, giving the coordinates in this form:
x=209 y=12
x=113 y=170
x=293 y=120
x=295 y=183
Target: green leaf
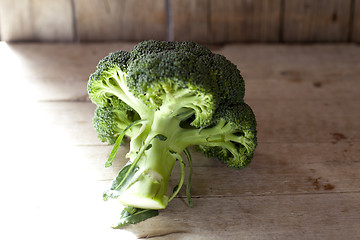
x=188 y=185
x=114 y=151
x=118 y=143
x=130 y=210
x=131 y=215
x=182 y=176
x=120 y=182
x=125 y=175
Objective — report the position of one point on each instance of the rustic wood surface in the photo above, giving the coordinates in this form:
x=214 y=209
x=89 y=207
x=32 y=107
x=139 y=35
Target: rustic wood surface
x=206 y=21
x=239 y=21
x=317 y=21
x=40 y=20
x=215 y=21
x=189 y=20
x=303 y=182
x=355 y=35
x=125 y=19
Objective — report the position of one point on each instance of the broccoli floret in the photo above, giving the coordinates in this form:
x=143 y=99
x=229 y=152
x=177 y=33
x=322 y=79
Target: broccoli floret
x=167 y=96
x=174 y=83
x=110 y=121
x=232 y=138
x=153 y=47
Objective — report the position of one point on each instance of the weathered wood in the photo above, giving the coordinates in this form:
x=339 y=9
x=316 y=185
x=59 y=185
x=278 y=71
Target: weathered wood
x=27 y=20
x=234 y=21
x=303 y=182
x=316 y=21
x=300 y=122
x=189 y=20
x=310 y=72
x=206 y=21
x=310 y=216
x=355 y=35
x=313 y=216
x=277 y=169
x=120 y=20
x=59 y=72
x=330 y=72
x=306 y=121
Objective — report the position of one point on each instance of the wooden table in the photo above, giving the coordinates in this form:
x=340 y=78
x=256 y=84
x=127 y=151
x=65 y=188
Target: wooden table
x=303 y=182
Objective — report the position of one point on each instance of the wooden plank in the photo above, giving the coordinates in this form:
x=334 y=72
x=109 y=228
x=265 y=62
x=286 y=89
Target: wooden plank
x=44 y=66
x=277 y=169
x=306 y=121
x=77 y=129
x=15 y=22
x=303 y=182
x=318 y=213
x=356 y=22
x=310 y=75
x=234 y=21
x=282 y=213
x=278 y=121
x=321 y=216
x=312 y=216
x=27 y=20
x=189 y=20
x=120 y=20
x=311 y=72
x=336 y=113
x=316 y=21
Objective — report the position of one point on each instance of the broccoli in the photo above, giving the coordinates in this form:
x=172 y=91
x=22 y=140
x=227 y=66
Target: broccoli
x=166 y=96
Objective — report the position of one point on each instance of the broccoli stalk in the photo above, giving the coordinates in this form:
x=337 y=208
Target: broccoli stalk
x=159 y=139
x=166 y=137
x=167 y=96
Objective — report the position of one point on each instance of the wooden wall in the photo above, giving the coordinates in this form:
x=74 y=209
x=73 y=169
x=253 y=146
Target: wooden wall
x=206 y=21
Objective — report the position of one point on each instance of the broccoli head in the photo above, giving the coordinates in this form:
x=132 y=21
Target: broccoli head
x=166 y=96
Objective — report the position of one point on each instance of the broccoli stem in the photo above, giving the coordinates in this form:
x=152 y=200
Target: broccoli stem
x=214 y=136
x=116 y=85
x=163 y=139
x=148 y=187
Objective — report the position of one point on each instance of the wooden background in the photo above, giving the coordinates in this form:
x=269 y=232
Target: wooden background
x=303 y=183
x=205 y=21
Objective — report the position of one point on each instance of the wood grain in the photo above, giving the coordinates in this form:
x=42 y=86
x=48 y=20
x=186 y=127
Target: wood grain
x=205 y=21
x=27 y=20
x=331 y=72
x=310 y=72
x=302 y=121
x=120 y=20
x=356 y=22
x=234 y=21
x=303 y=182
x=313 y=216
x=189 y=20
x=75 y=63
x=277 y=169
x=316 y=21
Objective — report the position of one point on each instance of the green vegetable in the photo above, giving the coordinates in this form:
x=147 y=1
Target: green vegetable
x=166 y=96
x=131 y=215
